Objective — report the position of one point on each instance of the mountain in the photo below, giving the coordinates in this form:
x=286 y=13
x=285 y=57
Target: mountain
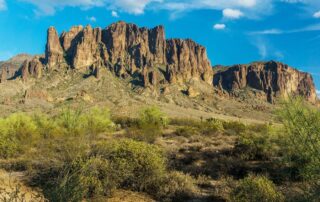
x=10 y=67
x=146 y=63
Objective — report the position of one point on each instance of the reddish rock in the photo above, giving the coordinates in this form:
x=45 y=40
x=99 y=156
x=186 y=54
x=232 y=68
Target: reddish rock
x=31 y=68
x=54 y=51
x=273 y=78
x=3 y=75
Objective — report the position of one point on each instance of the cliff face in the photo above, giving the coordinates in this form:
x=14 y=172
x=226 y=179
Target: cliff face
x=147 y=56
x=273 y=78
x=127 y=49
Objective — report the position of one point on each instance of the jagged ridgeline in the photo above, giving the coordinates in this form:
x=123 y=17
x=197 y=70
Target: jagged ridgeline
x=130 y=51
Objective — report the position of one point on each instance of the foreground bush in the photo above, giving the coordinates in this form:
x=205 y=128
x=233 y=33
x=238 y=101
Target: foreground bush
x=70 y=170
x=17 y=134
x=258 y=142
x=256 y=188
x=134 y=165
x=302 y=141
x=151 y=123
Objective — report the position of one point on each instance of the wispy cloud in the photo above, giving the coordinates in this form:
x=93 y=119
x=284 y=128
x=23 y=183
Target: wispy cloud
x=92 y=19
x=3 y=5
x=310 y=28
x=266 y=49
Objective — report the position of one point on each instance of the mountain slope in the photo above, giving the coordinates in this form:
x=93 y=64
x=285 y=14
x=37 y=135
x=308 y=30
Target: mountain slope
x=126 y=67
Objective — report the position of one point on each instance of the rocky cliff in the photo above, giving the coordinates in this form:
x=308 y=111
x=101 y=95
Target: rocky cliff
x=273 y=78
x=129 y=50
x=152 y=60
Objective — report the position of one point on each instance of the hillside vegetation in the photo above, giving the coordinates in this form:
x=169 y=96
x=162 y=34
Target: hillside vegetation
x=92 y=155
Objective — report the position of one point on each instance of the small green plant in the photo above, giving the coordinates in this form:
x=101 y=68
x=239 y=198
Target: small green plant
x=187 y=131
x=258 y=142
x=151 y=123
x=256 y=188
x=97 y=120
x=176 y=186
x=211 y=126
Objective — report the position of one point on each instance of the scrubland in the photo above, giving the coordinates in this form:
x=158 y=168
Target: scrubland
x=93 y=155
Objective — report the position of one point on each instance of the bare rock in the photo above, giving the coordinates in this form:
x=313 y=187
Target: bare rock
x=273 y=78
x=31 y=68
x=54 y=51
x=3 y=75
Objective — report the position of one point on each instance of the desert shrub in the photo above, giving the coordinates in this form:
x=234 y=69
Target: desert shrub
x=97 y=120
x=151 y=123
x=17 y=134
x=256 y=188
x=55 y=167
x=134 y=165
x=186 y=131
x=153 y=116
x=79 y=179
x=185 y=122
x=176 y=186
x=258 y=142
x=234 y=127
x=46 y=126
x=211 y=126
x=71 y=173
x=302 y=140
x=78 y=123
x=70 y=121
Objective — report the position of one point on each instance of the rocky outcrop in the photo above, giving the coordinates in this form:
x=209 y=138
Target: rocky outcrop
x=31 y=68
x=3 y=75
x=185 y=60
x=127 y=49
x=54 y=51
x=273 y=78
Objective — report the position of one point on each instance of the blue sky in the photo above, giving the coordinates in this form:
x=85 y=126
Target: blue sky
x=234 y=31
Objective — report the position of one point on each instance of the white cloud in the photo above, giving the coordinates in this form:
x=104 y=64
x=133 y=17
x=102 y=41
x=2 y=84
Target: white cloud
x=309 y=28
x=3 y=5
x=114 y=14
x=49 y=7
x=219 y=26
x=131 y=6
x=92 y=19
x=232 y=13
x=249 y=8
x=316 y=14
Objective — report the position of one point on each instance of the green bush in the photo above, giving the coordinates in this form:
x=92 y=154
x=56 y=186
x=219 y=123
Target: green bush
x=151 y=123
x=67 y=170
x=134 y=165
x=258 y=142
x=97 y=120
x=176 y=186
x=302 y=140
x=187 y=131
x=17 y=134
x=211 y=126
x=70 y=121
x=256 y=188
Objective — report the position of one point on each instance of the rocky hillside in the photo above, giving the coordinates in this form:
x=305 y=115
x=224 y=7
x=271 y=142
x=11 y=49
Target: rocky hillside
x=9 y=68
x=273 y=78
x=151 y=61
